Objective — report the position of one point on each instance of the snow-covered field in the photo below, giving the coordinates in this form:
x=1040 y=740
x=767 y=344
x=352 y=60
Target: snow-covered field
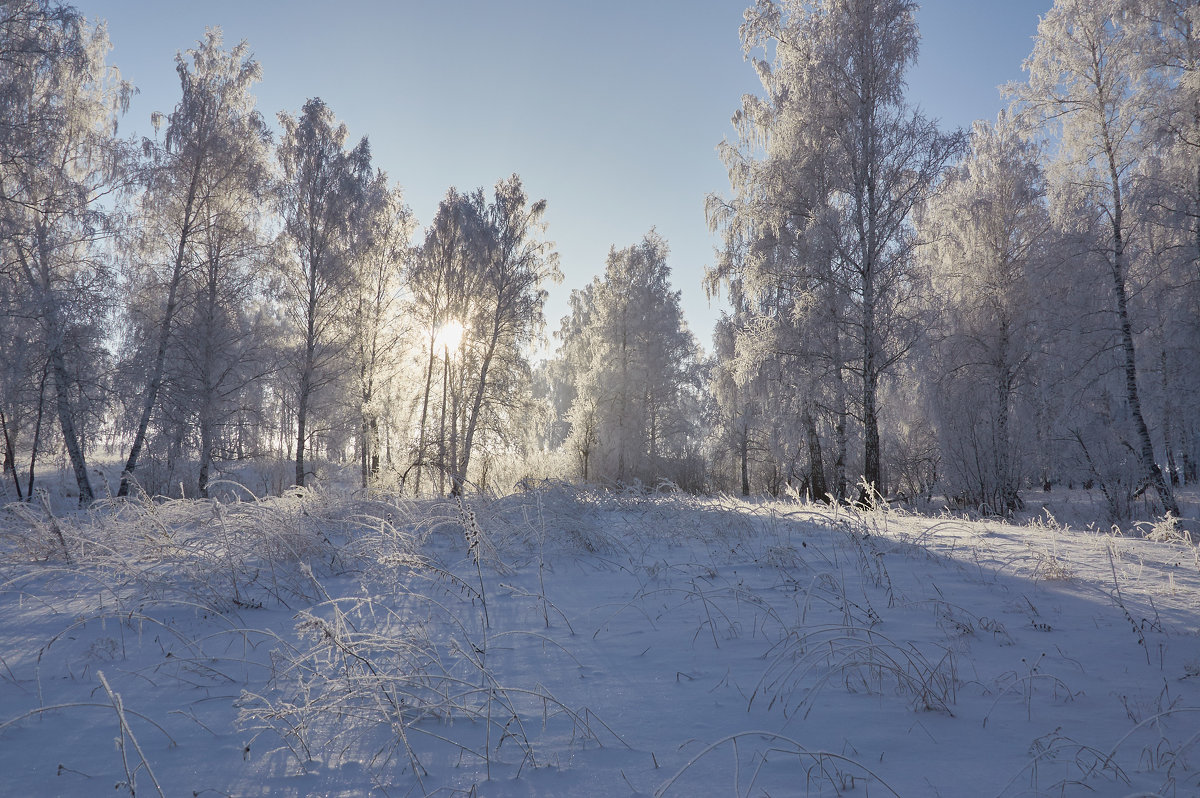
x=563 y=642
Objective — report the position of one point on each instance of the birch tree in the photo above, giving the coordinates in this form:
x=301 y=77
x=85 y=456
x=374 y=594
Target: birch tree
x=213 y=150
x=988 y=231
x=59 y=159
x=1086 y=79
x=632 y=363
x=506 y=313
x=321 y=185
x=827 y=171
x=1170 y=34
x=380 y=333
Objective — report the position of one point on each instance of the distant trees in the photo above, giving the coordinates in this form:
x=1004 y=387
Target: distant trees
x=859 y=248
x=228 y=346
x=631 y=364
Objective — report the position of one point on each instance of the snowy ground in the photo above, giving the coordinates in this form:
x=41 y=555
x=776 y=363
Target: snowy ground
x=561 y=642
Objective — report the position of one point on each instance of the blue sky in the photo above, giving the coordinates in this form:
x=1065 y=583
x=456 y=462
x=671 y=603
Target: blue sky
x=610 y=110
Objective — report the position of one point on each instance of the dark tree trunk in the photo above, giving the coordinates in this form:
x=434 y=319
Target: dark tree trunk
x=301 y=431
x=10 y=456
x=164 y=333
x=1152 y=475
x=206 y=452
x=37 y=431
x=66 y=420
x=816 y=463
x=744 y=457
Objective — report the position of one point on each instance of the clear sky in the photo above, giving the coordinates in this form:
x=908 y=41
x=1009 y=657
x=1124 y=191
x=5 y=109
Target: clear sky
x=610 y=110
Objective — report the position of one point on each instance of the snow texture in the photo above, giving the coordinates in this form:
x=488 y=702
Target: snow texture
x=566 y=642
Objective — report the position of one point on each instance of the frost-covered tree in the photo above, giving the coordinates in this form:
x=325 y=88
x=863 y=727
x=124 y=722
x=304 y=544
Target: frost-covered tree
x=769 y=406
x=1169 y=194
x=1087 y=81
x=1168 y=40
x=440 y=276
x=380 y=331
x=737 y=405
x=988 y=232
x=59 y=161
x=22 y=394
x=481 y=273
x=632 y=365
x=505 y=316
x=321 y=187
x=203 y=178
x=826 y=173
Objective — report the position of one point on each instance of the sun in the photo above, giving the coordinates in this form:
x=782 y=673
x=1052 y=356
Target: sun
x=448 y=336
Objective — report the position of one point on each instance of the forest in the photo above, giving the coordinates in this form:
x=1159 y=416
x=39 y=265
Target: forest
x=942 y=318
x=303 y=496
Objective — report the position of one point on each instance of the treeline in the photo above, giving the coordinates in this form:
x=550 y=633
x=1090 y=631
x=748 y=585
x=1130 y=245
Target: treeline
x=977 y=314
x=914 y=310
x=223 y=292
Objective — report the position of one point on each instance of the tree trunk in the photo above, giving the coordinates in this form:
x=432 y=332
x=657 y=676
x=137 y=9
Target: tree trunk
x=816 y=463
x=364 y=457
x=872 y=469
x=206 y=450
x=1152 y=475
x=456 y=476
x=374 y=441
x=164 y=333
x=10 y=456
x=37 y=431
x=307 y=368
x=1007 y=499
x=424 y=416
x=301 y=424
x=442 y=426
x=1168 y=422
x=744 y=457
x=208 y=380
x=460 y=473
x=66 y=420
x=840 y=433
x=872 y=476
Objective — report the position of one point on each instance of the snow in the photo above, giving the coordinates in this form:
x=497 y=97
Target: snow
x=567 y=642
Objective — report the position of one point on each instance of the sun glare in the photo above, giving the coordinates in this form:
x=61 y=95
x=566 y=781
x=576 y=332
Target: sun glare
x=448 y=336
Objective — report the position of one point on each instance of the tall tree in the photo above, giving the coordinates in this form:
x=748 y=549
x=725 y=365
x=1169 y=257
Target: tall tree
x=828 y=169
x=988 y=232
x=213 y=150
x=507 y=313
x=439 y=277
x=321 y=186
x=1086 y=79
x=59 y=158
x=381 y=254
x=632 y=362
